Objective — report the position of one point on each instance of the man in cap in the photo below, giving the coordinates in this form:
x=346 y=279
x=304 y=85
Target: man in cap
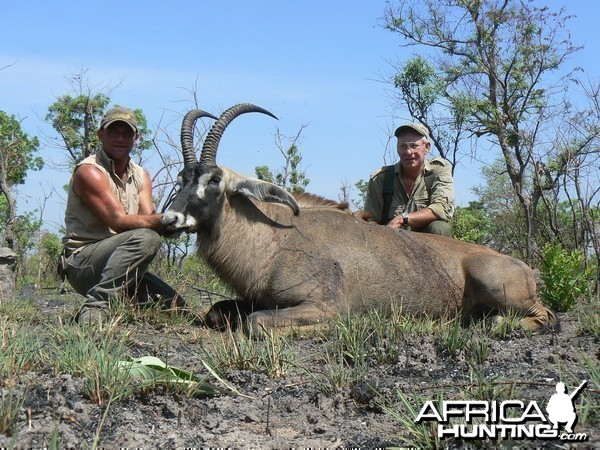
x=112 y=229
x=416 y=193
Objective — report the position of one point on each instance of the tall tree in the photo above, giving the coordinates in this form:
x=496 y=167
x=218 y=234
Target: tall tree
x=291 y=176
x=76 y=117
x=495 y=78
x=17 y=157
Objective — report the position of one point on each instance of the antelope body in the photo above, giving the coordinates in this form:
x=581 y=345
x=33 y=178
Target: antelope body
x=298 y=265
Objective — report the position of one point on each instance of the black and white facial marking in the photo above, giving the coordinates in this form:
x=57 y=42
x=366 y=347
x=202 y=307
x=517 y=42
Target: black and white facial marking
x=199 y=199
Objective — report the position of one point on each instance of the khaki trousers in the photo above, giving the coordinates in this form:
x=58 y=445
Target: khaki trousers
x=116 y=266
x=436 y=227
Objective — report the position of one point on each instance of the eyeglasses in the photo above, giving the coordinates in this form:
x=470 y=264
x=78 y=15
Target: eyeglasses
x=127 y=134
x=405 y=146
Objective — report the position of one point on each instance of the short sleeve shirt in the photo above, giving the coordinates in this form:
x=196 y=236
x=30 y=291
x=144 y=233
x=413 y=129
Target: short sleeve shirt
x=433 y=189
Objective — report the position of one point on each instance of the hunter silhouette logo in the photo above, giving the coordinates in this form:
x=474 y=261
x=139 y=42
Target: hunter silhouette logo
x=508 y=419
x=560 y=407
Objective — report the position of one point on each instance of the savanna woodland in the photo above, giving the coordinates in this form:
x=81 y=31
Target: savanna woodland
x=488 y=79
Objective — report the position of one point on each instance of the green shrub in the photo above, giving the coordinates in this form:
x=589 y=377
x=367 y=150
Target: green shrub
x=565 y=278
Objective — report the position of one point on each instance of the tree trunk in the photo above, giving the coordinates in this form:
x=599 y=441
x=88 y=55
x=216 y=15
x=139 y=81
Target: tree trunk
x=8 y=264
x=12 y=206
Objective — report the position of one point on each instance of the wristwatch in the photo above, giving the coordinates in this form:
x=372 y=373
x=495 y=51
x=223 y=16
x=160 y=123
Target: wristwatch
x=405 y=220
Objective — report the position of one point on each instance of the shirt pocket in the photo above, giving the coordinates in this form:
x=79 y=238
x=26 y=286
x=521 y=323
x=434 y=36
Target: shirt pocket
x=133 y=204
x=396 y=208
x=421 y=200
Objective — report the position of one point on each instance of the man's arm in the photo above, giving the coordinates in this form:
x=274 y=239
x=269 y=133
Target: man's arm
x=417 y=219
x=373 y=206
x=442 y=190
x=146 y=204
x=93 y=188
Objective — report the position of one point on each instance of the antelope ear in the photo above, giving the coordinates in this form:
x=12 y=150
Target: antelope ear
x=264 y=192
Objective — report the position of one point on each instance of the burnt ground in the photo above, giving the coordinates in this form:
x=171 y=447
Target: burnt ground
x=299 y=408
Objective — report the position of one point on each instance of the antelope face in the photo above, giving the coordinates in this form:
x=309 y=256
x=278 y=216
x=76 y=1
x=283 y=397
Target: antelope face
x=198 y=201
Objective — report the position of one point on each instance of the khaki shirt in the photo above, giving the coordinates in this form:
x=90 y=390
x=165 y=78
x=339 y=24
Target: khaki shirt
x=439 y=198
x=83 y=227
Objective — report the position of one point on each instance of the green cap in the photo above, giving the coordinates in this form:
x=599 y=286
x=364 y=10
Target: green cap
x=119 y=114
x=412 y=126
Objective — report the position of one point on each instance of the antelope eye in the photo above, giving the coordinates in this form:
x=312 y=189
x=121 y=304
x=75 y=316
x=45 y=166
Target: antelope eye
x=215 y=180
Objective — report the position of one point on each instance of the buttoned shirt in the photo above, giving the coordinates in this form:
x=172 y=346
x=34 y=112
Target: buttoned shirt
x=433 y=189
x=83 y=226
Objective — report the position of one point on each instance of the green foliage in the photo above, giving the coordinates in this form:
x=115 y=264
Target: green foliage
x=452 y=338
x=76 y=120
x=16 y=158
x=25 y=228
x=362 y=187
x=264 y=173
x=497 y=210
x=417 y=435
x=565 y=221
x=19 y=343
x=11 y=404
x=94 y=355
x=565 y=277
x=270 y=352
x=51 y=244
x=291 y=176
x=153 y=371
x=419 y=84
x=472 y=224
x=17 y=150
x=588 y=317
x=485 y=70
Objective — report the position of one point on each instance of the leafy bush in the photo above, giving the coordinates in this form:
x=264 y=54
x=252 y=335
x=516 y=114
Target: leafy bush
x=565 y=277
x=472 y=224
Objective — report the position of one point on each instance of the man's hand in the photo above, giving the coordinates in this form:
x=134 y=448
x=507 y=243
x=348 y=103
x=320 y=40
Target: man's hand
x=169 y=229
x=396 y=222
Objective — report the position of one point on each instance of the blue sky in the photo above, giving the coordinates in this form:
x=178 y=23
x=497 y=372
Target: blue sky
x=314 y=63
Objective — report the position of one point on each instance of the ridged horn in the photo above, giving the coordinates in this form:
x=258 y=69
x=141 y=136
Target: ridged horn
x=211 y=142
x=187 y=135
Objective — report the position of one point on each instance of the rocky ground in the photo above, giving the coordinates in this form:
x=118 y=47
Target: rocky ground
x=294 y=409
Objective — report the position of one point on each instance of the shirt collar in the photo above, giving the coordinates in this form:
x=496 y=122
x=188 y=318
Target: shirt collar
x=427 y=168
x=109 y=164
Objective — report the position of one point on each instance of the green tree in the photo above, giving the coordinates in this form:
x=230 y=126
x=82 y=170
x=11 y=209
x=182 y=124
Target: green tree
x=291 y=176
x=76 y=120
x=49 y=248
x=421 y=89
x=26 y=228
x=362 y=188
x=473 y=224
x=17 y=157
x=495 y=79
x=497 y=198
x=77 y=116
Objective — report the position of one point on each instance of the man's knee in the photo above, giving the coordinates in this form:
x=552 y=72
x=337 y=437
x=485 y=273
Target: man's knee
x=149 y=241
x=439 y=227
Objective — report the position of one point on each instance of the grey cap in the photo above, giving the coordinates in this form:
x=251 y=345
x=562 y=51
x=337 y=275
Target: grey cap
x=412 y=126
x=119 y=114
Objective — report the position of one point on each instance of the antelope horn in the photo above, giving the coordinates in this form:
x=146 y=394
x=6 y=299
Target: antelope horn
x=187 y=135
x=211 y=142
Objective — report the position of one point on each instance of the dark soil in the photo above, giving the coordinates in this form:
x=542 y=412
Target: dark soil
x=294 y=410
